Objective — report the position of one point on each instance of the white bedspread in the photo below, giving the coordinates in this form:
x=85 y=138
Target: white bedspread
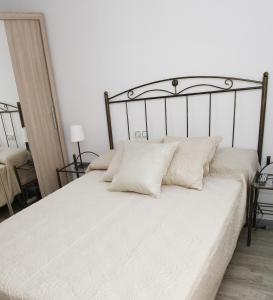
x=83 y=242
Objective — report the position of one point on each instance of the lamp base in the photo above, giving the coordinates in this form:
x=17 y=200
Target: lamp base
x=80 y=155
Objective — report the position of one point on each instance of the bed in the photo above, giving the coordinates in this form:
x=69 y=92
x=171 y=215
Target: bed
x=92 y=245
x=13 y=152
x=85 y=242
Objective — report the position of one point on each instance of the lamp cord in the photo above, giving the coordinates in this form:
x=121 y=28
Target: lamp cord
x=265 y=168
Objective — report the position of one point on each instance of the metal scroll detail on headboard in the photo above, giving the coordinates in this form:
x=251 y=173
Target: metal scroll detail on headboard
x=7 y=112
x=187 y=87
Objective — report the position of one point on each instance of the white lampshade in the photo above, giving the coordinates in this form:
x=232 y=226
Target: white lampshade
x=24 y=135
x=76 y=133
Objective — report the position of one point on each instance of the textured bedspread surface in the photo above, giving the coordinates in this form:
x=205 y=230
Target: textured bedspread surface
x=83 y=242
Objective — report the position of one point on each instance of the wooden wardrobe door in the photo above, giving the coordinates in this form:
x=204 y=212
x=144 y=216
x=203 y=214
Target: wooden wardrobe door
x=32 y=78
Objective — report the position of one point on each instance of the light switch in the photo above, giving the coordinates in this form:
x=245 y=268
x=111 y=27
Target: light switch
x=144 y=134
x=138 y=134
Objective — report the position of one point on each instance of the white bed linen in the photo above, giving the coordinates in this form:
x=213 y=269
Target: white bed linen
x=84 y=242
x=9 y=186
x=10 y=157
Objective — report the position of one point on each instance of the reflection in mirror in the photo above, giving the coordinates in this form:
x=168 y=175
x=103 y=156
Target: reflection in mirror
x=18 y=181
x=11 y=133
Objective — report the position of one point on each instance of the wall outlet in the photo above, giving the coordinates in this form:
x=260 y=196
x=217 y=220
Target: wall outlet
x=144 y=134
x=10 y=137
x=140 y=134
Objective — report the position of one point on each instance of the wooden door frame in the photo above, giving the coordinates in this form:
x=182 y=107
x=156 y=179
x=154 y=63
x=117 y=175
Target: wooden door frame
x=41 y=19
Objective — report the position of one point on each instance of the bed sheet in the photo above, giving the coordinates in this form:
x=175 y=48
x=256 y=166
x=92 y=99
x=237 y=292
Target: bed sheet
x=84 y=242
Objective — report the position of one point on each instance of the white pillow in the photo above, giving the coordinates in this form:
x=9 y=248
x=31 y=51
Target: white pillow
x=187 y=166
x=102 y=162
x=234 y=160
x=13 y=156
x=153 y=141
x=142 y=168
x=215 y=140
x=116 y=160
x=115 y=163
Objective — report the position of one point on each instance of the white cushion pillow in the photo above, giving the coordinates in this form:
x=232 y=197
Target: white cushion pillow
x=13 y=156
x=115 y=163
x=187 y=166
x=142 y=168
x=102 y=162
x=234 y=160
x=153 y=141
x=117 y=157
x=215 y=140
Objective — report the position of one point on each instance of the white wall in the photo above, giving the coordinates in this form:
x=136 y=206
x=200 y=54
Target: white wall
x=112 y=45
x=8 y=89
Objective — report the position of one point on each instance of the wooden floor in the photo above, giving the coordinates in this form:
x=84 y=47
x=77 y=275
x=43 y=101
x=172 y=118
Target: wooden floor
x=249 y=276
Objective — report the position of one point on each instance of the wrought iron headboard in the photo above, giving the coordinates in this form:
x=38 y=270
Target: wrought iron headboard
x=153 y=91
x=9 y=110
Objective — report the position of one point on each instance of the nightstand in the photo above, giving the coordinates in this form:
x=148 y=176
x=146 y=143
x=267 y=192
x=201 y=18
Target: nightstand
x=254 y=205
x=75 y=168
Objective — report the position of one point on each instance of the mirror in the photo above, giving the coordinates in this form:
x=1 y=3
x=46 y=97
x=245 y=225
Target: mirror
x=18 y=181
x=11 y=132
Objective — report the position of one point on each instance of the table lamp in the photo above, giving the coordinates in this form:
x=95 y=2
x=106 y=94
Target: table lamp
x=76 y=136
x=25 y=138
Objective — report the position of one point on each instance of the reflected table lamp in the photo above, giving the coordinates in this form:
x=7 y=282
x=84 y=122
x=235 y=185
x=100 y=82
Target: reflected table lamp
x=76 y=136
x=25 y=138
